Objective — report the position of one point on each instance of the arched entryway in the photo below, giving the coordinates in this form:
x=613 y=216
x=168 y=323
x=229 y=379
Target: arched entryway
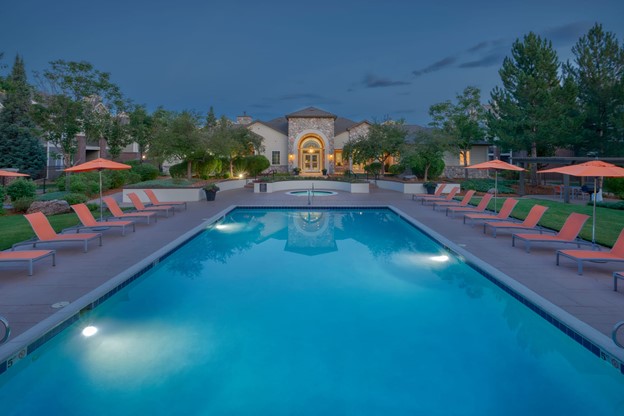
x=311 y=155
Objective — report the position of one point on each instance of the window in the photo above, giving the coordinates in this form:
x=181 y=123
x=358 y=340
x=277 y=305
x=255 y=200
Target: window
x=275 y=157
x=338 y=157
x=463 y=155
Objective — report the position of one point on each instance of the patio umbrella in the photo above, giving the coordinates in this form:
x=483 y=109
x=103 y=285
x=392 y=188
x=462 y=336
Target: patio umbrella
x=10 y=174
x=98 y=164
x=496 y=165
x=594 y=168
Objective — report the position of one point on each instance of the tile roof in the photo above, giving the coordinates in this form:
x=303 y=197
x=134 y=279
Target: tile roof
x=311 y=112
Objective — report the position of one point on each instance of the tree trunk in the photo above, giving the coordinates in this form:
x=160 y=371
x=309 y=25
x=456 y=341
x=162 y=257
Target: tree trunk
x=189 y=170
x=534 y=165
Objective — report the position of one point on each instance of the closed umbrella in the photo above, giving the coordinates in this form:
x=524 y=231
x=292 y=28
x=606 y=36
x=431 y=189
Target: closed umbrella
x=99 y=165
x=496 y=165
x=594 y=168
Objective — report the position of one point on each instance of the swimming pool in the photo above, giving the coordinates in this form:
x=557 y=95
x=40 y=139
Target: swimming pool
x=312 y=312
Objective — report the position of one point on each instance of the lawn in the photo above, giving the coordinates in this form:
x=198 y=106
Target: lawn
x=609 y=222
x=15 y=228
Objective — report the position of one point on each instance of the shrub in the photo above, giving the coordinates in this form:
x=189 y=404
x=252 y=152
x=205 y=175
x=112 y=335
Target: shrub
x=373 y=169
x=612 y=205
x=256 y=164
x=211 y=166
x=615 y=186
x=21 y=188
x=484 y=185
x=178 y=170
x=75 y=198
x=147 y=171
x=22 y=204
x=117 y=178
x=396 y=169
x=2 y=197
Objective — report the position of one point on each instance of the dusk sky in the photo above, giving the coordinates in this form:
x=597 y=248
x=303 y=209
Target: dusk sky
x=357 y=59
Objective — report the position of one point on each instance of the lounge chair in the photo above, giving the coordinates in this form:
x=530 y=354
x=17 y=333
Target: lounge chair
x=438 y=193
x=88 y=220
x=470 y=209
x=156 y=203
x=502 y=215
x=46 y=234
x=615 y=254
x=447 y=197
x=463 y=203
x=138 y=205
x=568 y=234
x=29 y=256
x=529 y=223
x=116 y=212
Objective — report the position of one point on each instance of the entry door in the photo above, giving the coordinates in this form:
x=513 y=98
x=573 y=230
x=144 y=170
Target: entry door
x=311 y=162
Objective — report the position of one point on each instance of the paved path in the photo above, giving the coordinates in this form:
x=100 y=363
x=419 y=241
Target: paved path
x=26 y=300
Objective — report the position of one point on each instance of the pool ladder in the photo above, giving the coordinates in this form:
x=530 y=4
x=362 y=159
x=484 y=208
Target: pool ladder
x=616 y=328
x=310 y=195
x=7 y=329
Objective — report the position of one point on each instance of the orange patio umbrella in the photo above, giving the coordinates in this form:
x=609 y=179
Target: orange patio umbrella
x=496 y=165
x=98 y=164
x=593 y=168
x=10 y=174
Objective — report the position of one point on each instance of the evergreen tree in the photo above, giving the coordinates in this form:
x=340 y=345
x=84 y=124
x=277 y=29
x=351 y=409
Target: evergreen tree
x=211 y=119
x=19 y=146
x=598 y=71
x=531 y=111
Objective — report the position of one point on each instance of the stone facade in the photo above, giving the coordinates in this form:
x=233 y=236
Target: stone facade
x=302 y=128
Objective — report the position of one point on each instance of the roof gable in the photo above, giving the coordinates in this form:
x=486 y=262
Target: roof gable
x=310 y=112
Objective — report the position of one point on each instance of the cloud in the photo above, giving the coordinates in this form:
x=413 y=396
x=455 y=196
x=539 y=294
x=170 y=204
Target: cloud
x=436 y=66
x=566 y=34
x=373 y=81
x=478 y=46
x=494 y=58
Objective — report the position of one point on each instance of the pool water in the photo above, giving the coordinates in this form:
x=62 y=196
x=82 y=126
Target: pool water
x=348 y=312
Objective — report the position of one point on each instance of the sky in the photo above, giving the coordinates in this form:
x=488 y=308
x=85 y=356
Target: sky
x=363 y=60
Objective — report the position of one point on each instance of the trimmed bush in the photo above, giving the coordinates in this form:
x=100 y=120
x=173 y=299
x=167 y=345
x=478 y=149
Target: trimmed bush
x=396 y=169
x=22 y=204
x=615 y=186
x=484 y=185
x=75 y=198
x=256 y=164
x=147 y=171
x=418 y=165
x=21 y=188
x=178 y=170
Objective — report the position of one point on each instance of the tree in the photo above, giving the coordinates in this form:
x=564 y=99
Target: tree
x=19 y=146
x=530 y=111
x=424 y=155
x=211 y=119
x=383 y=140
x=101 y=100
x=184 y=140
x=230 y=142
x=462 y=124
x=140 y=126
x=598 y=71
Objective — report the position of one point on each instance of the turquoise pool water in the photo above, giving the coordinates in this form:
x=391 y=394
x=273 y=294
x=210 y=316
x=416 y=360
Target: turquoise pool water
x=274 y=312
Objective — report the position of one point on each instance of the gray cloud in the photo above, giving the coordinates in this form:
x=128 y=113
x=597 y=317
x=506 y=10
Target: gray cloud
x=436 y=66
x=566 y=34
x=494 y=58
x=478 y=46
x=373 y=81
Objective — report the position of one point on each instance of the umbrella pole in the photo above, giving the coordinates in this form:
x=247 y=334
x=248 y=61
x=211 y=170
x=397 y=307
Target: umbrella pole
x=495 y=188
x=594 y=217
x=101 y=210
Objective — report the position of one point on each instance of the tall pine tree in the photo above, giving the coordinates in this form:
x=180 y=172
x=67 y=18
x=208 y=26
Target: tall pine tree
x=598 y=71
x=19 y=146
x=531 y=111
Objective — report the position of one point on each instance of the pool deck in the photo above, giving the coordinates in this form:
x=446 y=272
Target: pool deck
x=27 y=300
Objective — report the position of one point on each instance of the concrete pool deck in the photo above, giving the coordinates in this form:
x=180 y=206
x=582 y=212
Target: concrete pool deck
x=27 y=300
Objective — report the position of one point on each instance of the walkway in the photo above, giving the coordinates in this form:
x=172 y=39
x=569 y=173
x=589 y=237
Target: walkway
x=27 y=300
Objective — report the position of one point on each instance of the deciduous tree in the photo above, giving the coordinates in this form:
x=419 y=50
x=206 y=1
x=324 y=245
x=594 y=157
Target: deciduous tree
x=382 y=141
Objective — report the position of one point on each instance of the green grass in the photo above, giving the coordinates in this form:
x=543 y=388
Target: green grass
x=609 y=222
x=15 y=228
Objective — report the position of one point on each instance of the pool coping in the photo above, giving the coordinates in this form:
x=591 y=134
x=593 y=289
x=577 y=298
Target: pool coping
x=588 y=337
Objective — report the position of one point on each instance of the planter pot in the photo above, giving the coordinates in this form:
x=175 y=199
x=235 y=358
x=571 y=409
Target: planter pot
x=210 y=195
x=430 y=189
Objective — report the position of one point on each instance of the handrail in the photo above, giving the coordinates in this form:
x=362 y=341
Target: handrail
x=7 y=329
x=616 y=328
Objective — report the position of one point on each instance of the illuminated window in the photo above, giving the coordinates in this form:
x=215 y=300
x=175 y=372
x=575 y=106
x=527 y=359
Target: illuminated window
x=464 y=158
x=338 y=157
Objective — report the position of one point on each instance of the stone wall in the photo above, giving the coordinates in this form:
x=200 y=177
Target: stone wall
x=299 y=127
x=459 y=172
